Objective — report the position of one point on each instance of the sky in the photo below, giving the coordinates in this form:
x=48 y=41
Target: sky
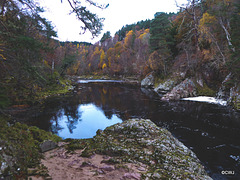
x=118 y=14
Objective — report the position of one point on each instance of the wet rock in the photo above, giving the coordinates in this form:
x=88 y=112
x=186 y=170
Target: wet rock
x=185 y=89
x=148 y=81
x=47 y=145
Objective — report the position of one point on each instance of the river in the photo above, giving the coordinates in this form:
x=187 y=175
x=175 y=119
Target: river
x=211 y=131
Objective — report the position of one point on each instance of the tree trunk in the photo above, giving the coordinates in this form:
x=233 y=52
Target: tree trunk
x=227 y=34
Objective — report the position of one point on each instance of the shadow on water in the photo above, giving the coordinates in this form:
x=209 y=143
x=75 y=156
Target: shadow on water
x=211 y=131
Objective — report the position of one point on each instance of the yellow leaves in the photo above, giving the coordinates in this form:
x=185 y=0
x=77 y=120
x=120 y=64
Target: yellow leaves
x=146 y=30
x=142 y=35
x=208 y=55
x=155 y=61
x=128 y=39
x=96 y=51
x=75 y=67
x=46 y=64
x=89 y=65
x=3 y=57
x=110 y=56
x=207 y=19
x=129 y=33
x=102 y=56
x=118 y=48
x=206 y=22
x=104 y=66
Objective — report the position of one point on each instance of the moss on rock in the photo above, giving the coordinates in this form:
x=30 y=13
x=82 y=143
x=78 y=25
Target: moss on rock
x=141 y=141
x=19 y=147
x=205 y=90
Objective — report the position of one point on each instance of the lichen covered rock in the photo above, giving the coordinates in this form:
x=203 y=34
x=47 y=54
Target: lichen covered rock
x=185 y=89
x=148 y=81
x=165 y=86
x=140 y=141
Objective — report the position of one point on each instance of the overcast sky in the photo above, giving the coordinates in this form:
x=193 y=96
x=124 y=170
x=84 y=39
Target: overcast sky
x=118 y=14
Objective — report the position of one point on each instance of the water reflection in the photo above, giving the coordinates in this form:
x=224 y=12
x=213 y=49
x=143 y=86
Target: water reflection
x=211 y=131
x=83 y=123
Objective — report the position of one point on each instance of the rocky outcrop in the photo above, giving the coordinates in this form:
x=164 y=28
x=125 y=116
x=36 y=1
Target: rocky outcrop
x=165 y=86
x=235 y=97
x=223 y=92
x=187 y=88
x=230 y=92
x=153 y=151
x=148 y=81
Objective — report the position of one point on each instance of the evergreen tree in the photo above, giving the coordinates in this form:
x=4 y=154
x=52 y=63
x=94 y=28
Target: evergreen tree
x=106 y=36
x=160 y=39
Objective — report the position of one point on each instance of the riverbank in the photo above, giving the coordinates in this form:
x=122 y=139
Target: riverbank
x=129 y=79
x=20 y=148
x=134 y=149
x=180 y=87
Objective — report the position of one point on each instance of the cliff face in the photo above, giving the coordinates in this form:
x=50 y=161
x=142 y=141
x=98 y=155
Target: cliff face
x=135 y=149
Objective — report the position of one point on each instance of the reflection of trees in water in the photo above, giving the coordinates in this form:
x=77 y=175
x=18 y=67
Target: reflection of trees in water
x=69 y=109
x=119 y=99
x=73 y=116
x=54 y=121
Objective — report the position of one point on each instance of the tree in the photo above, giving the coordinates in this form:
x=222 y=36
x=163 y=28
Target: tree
x=91 y=21
x=25 y=39
x=106 y=36
x=159 y=39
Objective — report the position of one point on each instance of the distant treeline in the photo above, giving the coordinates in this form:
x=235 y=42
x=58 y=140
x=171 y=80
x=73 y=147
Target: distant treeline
x=63 y=43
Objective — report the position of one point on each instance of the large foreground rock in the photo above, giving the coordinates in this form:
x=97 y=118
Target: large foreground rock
x=185 y=89
x=140 y=142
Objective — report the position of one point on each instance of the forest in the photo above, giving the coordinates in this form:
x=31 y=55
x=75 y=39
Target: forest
x=203 y=36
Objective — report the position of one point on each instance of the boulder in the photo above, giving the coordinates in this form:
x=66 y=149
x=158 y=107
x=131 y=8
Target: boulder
x=47 y=145
x=185 y=89
x=165 y=86
x=141 y=142
x=148 y=81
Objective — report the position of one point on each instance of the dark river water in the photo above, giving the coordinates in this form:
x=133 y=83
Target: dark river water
x=211 y=131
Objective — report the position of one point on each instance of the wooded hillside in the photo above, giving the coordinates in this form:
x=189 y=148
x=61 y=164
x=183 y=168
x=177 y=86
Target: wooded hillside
x=203 y=39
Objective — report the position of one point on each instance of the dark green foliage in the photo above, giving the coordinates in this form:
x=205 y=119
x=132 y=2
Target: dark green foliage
x=162 y=39
x=90 y=20
x=20 y=146
x=64 y=43
x=106 y=36
x=162 y=35
x=23 y=35
x=67 y=62
x=4 y=100
x=139 y=25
